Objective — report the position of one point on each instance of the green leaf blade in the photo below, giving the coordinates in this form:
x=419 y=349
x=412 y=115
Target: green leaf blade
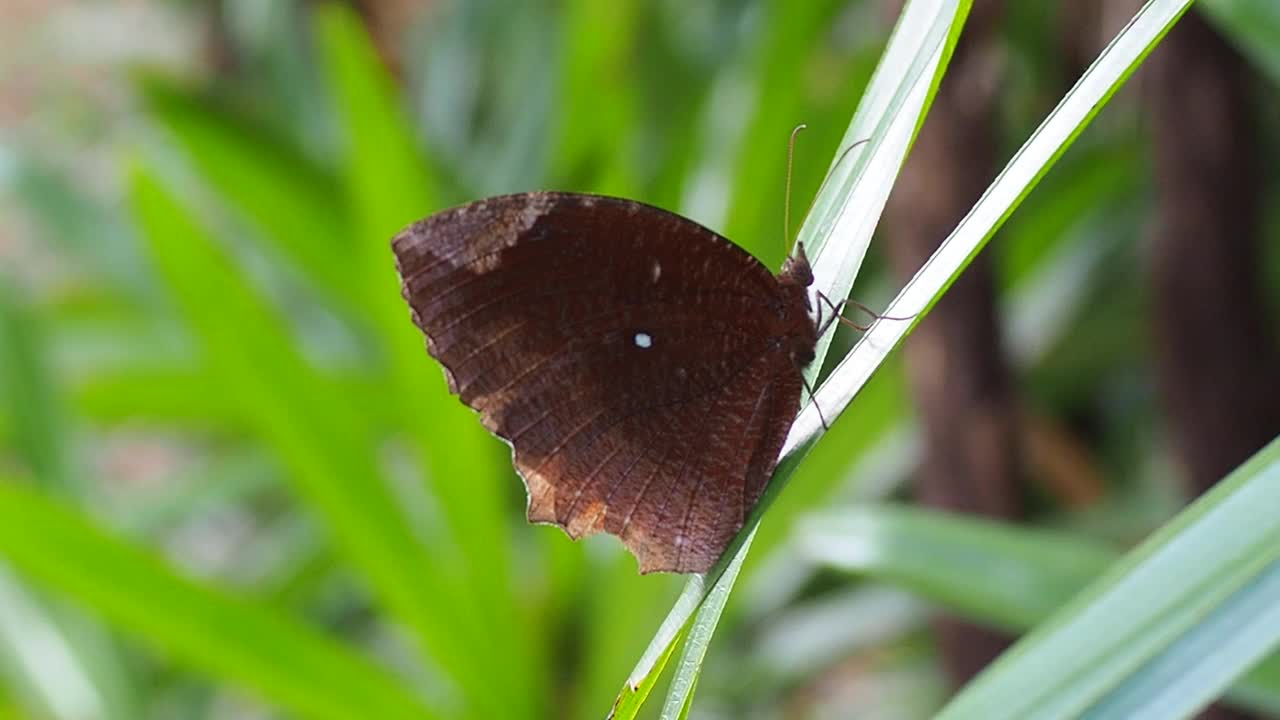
x=838 y=237
x=1142 y=606
x=229 y=638
x=389 y=184
x=328 y=452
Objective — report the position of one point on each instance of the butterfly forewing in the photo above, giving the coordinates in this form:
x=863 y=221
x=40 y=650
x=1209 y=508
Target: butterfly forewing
x=618 y=349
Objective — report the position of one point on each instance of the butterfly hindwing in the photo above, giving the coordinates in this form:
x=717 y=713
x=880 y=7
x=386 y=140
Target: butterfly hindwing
x=611 y=344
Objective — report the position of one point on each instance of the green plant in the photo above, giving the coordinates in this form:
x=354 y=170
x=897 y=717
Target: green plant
x=277 y=349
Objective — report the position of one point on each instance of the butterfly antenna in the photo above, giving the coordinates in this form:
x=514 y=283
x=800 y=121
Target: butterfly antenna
x=786 y=202
x=844 y=154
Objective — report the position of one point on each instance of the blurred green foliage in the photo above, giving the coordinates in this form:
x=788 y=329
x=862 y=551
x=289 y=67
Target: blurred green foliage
x=222 y=437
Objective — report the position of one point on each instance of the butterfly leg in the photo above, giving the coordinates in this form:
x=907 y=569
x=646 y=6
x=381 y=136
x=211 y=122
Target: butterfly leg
x=814 y=399
x=837 y=315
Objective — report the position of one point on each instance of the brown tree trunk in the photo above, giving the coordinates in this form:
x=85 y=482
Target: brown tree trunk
x=219 y=46
x=1080 y=38
x=1215 y=355
x=959 y=375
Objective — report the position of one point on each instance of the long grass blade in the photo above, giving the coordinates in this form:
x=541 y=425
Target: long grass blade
x=837 y=242
x=230 y=638
x=1188 y=591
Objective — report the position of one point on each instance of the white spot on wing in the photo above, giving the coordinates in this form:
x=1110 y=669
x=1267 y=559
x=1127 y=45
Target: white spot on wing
x=655 y=272
x=644 y=340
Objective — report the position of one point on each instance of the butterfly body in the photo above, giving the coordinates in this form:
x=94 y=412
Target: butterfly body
x=644 y=369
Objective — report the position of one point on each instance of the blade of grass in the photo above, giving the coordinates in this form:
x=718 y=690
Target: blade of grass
x=249 y=645
x=168 y=395
x=828 y=464
x=388 y=185
x=322 y=442
x=39 y=660
x=1048 y=143
x=157 y=393
x=84 y=675
x=1140 y=619
x=680 y=695
x=1044 y=298
x=295 y=204
x=40 y=427
x=925 y=31
x=838 y=230
x=809 y=636
x=595 y=109
x=1196 y=668
x=1018 y=178
x=630 y=701
x=1000 y=575
x=869 y=451
x=982 y=569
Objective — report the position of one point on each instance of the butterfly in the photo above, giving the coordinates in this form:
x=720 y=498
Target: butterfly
x=644 y=369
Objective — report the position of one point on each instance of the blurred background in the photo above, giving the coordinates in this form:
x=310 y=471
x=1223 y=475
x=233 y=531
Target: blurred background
x=221 y=434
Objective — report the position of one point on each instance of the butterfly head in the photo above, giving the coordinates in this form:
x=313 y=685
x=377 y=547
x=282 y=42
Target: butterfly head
x=797 y=325
x=796 y=269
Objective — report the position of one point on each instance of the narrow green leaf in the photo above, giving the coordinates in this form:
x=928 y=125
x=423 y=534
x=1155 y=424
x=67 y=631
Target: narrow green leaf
x=389 y=184
x=1000 y=575
x=838 y=230
x=680 y=696
x=982 y=569
x=1196 y=668
x=595 y=109
x=170 y=394
x=631 y=700
x=268 y=180
x=389 y=187
x=46 y=654
x=39 y=425
x=85 y=675
x=387 y=179
x=837 y=234
x=829 y=464
x=157 y=393
x=1031 y=162
x=287 y=663
x=1141 y=619
x=320 y=439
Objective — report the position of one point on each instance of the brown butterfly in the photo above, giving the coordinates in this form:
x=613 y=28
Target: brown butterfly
x=644 y=369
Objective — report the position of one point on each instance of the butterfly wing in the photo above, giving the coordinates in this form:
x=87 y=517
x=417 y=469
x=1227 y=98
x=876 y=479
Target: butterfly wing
x=618 y=349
